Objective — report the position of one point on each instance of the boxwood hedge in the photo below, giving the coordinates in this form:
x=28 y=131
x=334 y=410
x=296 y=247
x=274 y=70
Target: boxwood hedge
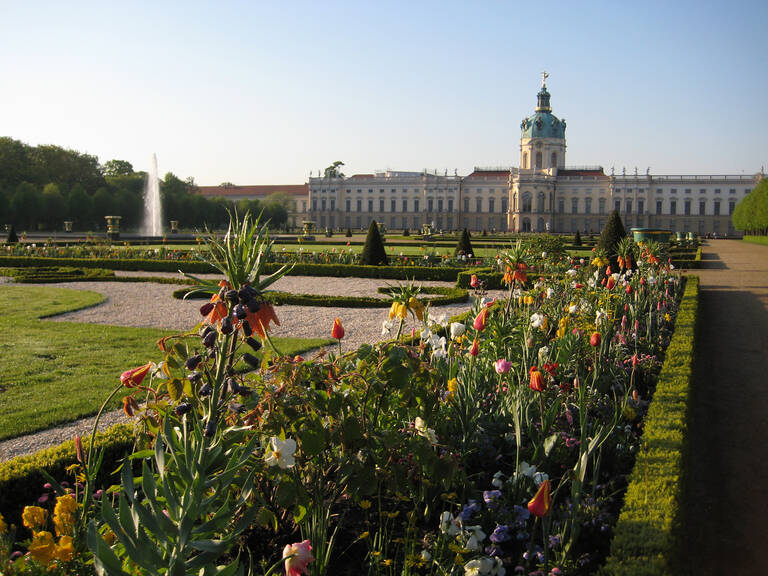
x=646 y=537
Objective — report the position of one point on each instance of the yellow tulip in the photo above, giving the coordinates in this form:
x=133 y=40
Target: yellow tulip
x=393 y=310
x=402 y=311
x=417 y=307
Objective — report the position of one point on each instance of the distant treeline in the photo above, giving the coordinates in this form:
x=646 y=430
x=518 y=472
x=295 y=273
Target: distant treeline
x=751 y=213
x=42 y=186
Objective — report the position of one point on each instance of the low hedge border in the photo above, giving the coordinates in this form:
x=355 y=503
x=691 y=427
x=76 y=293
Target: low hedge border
x=50 y=274
x=21 y=482
x=646 y=537
x=444 y=296
x=443 y=273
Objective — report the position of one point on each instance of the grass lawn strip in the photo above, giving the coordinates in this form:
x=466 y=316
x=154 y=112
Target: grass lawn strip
x=56 y=372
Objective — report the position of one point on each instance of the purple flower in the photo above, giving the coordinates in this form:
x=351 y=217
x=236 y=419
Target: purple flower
x=471 y=507
x=490 y=497
x=500 y=534
x=521 y=514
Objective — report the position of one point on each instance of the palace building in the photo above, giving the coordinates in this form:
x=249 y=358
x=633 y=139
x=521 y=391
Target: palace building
x=543 y=194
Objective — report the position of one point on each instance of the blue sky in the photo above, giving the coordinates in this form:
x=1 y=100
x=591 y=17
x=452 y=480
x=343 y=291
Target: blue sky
x=265 y=92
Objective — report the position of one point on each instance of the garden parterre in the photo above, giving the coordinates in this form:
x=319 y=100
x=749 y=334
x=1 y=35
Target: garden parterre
x=493 y=445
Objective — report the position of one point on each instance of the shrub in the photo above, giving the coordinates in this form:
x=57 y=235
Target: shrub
x=349 y=233
x=12 y=237
x=21 y=481
x=374 y=253
x=406 y=232
x=646 y=535
x=577 y=238
x=464 y=246
x=610 y=236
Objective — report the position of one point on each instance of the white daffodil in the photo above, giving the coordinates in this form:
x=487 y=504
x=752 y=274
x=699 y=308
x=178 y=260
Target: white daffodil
x=426 y=334
x=550 y=293
x=537 y=320
x=573 y=308
x=543 y=354
x=600 y=316
x=457 y=329
x=280 y=452
x=571 y=273
x=386 y=327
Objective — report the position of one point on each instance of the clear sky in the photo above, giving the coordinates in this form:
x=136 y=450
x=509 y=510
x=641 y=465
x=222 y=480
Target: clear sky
x=265 y=92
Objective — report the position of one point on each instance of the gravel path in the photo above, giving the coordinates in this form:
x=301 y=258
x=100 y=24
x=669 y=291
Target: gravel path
x=726 y=488
x=146 y=304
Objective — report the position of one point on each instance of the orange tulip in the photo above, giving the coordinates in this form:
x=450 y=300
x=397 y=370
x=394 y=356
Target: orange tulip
x=537 y=380
x=337 y=331
x=133 y=378
x=595 y=339
x=540 y=503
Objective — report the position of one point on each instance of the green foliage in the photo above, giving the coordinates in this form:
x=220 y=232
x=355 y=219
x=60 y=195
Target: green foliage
x=374 y=253
x=644 y=541
x=751 y=213
x=333 y=170
x=577 y=238
x=756 y=240
x=464 y=247
x=12 y=237
x=611 y=234
x=50 y=274
x=349 y=233
x=117 y=168
x=21 y=478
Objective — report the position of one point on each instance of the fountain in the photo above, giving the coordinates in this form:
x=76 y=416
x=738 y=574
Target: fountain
x=152 y=224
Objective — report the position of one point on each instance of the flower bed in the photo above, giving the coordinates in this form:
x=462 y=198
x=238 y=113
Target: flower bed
x=500 y=446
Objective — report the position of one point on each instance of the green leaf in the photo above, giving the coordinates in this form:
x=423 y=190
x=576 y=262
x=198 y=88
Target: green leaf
x=266 y=518
x=175 y=389
x=549 y=443
x=312 y=441
x=286 y=494
x=299 y=514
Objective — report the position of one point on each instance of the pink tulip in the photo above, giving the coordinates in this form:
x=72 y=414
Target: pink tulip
x=297 y=556
x=502 y=366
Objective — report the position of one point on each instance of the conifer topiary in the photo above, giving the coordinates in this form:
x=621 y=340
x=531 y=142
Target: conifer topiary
x=610 y=236
x=577 y=238
x=349 y=233
x=464 y=246
x=374 y=253
x=12 y=237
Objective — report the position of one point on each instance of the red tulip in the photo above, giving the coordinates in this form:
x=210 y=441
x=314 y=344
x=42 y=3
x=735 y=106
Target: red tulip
x=537 y=380
x=337 y=331
x=479 y=323
x=473 y=281
x=628 y=289
x=133 y=378
x=611 y=283
x=595 y=339
x=475 y=348
x=540 y=503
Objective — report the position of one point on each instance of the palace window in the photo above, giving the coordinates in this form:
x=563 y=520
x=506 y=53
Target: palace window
x=687 y=207
x=560 y=205
x=717 y=207
x=587 y=205
x=601 y=205
x=430 y=204
x=333 y=204
x=466 y=204
x=478 y=204
x=703 y=207
x=491 y=204
x=658 y=206
x=439 y=204
x=370 y=205
x=628 y=206
x=673 y=206
x=359 y=206
x=405 y=208
x=504 y=207
x=574 y=205
x=617 y=205
x=450 y=207
x=348 y=205
x=393 y=205
x=416 y=205
x=640 y=206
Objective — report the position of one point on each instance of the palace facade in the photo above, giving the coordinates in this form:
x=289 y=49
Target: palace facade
x=542 y=195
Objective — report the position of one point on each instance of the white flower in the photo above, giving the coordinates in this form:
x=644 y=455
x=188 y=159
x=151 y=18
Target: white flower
x=550 y=293
x=449 y=525
x=539 y=477
x=517 y=293
x=423 y=431
x=440 y=320
x=280 y=453
x=651 y=280
x=573 y=308
x=537 y=320
x=426 y=556
x=543 y=354
x=426 y=334
x=476 y=537
x=571 y=272
x=484 y=566
x=543 y=254
x=386 y=326
x=615 y=276
x=601 y=316
x=457 y=329
x=527 y=469
x=497 y=481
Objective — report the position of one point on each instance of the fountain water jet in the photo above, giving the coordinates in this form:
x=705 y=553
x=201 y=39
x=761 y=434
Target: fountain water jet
x=152 y=225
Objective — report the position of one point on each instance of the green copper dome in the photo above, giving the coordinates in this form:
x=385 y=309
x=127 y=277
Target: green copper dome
x=543 y=124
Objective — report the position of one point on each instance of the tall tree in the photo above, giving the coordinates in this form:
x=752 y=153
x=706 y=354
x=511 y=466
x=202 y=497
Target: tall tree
x=117 y=168
x=80 y=208
x=27 y=204
x=333 y=170
x=54 y=206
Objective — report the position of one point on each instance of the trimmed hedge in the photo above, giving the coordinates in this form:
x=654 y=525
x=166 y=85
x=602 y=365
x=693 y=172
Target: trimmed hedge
x=445 y=296
x=444 y=273
x=21 y=482
x=646 y=537
x=50 y=274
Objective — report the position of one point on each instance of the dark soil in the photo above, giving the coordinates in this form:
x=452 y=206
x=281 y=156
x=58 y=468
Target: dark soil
x=726 y=512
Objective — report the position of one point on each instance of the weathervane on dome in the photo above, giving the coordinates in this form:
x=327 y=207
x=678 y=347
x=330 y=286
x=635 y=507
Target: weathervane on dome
x=544 y=76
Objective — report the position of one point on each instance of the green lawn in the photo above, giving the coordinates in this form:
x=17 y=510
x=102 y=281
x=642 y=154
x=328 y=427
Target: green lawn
x=54 y=372
x=756 y=239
